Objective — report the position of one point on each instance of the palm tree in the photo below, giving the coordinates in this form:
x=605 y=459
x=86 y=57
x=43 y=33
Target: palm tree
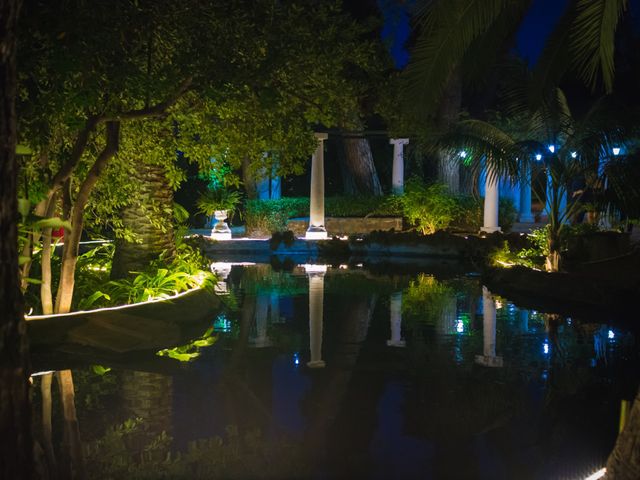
x=471 y=34
x=568 y=148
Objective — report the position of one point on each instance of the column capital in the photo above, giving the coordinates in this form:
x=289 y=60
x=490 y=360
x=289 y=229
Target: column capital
x=321 y=136
x=399 y=141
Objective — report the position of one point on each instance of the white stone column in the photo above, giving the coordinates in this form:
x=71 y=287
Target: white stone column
x=316 y=298
x=488 y=357
x=525 y=214
x=397 y=177
x=395 y=318
x=316 y=228
x=491 y=203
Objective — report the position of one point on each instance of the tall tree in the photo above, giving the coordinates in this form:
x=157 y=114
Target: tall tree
x=16 y=454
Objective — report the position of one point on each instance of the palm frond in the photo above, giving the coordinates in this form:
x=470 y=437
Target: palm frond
x=449 y=28
x=592 y=40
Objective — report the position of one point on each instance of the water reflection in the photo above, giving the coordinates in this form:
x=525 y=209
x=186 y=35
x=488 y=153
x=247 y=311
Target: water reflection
x=306 y=380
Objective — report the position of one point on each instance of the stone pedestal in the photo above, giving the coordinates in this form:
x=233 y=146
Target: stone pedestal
x=397 y=176
x=488 y=357
x=316 y=299
x=491 y=199
x=221 y=230
x=317 y=230
x=395 y=318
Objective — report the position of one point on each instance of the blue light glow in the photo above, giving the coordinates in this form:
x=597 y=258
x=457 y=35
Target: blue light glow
x=538 y=157
x=574 y=154
x=459 y=326
x=545 y=347
x=296 y=359
x=552 y=148
x=611 y=335
x=616 y=151
x=463 y=154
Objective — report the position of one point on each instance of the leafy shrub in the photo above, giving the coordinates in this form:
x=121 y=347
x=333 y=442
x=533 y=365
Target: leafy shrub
x=268 y=216
x=163 y=278
x=221 y=199
x=429 y=207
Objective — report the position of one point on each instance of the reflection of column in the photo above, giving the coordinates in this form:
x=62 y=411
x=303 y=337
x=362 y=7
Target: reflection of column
x=262 y=310
x=524 y=321
x=397 y=177
x=488 y=358
x=316 y=228
x=222 y=270
x=491 y=199
x=395 y=317
x=274 y=305
x=316 y=297
x=525 y=214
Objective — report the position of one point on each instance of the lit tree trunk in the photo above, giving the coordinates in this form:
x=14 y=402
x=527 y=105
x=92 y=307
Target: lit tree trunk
x=448 y=112
x=149 y=217
x=358 y=161
x=72 y=238
x=624 y=461
x=16 y=454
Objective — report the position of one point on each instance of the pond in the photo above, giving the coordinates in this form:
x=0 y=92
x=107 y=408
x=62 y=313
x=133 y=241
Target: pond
x=343 y=372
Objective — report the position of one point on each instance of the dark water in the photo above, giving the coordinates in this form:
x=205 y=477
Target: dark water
x=400 y=377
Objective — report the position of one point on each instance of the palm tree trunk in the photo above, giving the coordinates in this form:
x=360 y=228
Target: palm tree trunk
x=149 y=217
x=447 y=115
x=358 y=161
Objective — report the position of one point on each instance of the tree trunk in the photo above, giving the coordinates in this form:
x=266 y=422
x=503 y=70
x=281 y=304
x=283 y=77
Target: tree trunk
x=447 y=116
x=624 y=461
x=249 y=180
x=16 y=454
x=358 y=161
x=149 y=217
x=72 y=238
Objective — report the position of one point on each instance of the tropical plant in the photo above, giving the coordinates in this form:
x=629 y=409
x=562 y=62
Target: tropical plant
x=472 y=35
x=570 y=149
x=429 y=207
x=212 y=201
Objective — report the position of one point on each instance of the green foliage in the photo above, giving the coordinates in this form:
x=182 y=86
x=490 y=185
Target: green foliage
x=429 y=207
x=190 y=351
x=220 y=199
x=188 y=269
x=268 y=216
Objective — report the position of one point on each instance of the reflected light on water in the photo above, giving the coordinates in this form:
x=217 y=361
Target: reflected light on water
x=611 y=335
x=545 y=348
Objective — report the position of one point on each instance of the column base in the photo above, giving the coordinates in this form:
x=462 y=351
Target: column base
x=487 y=361
x=316 y=233
x=490 y=229
x=396 y=343
x=526 y=218
x=316 y=364
x=220 y=235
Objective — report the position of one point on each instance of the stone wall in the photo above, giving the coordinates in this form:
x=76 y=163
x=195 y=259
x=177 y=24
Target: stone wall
x=348 y=225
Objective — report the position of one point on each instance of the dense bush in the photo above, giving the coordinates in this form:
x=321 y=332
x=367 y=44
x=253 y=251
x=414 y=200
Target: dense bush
x=429 y=207
x=268 y=216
